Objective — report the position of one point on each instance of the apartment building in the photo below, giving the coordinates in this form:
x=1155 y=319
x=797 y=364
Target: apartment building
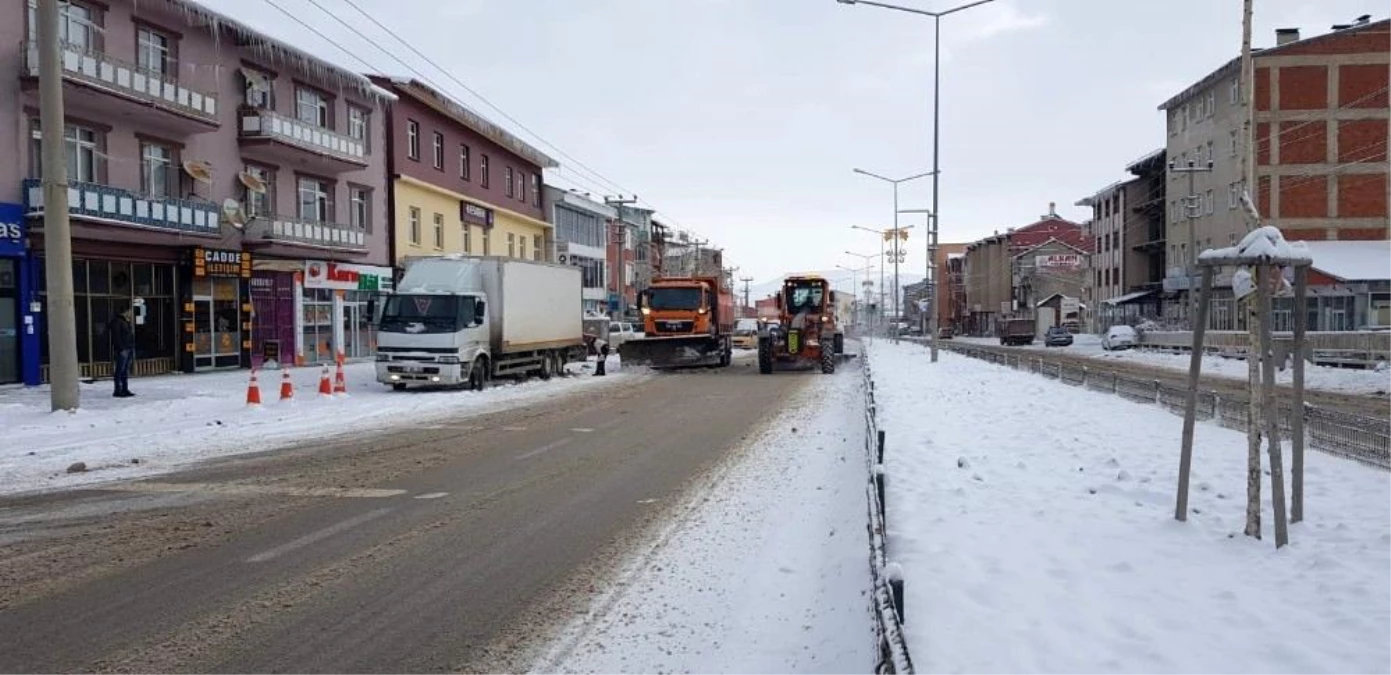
x=459 y=183
x=1127 y=231
x=1321 y=112
x=581 y=226
x=223 y=182
x=1007 y=275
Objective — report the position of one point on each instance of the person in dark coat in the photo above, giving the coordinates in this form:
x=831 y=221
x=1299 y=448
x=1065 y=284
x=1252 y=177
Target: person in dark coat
x=603 y=348
x=123 y=348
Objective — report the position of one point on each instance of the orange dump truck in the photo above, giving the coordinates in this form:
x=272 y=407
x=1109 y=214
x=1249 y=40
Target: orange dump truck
x=687 y=322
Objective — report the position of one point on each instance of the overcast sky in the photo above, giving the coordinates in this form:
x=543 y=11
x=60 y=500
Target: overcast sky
x=742 y=119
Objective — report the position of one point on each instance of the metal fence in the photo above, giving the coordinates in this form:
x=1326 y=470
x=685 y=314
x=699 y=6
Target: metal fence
x=1358 y=437
x=887 y=590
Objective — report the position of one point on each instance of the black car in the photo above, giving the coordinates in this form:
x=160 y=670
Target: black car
x=1057 y=336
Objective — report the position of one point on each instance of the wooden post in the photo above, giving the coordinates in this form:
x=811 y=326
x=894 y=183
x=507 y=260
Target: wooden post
x=1190 y=404
x=1269 y=405
x=1300 y=316
x=1253 y=419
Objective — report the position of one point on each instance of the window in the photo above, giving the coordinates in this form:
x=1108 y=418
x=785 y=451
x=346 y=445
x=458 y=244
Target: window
x=415 y=226
x=360 y=205
x=159 y=169
x=1231 y=196
x=413 y=139
x=314 y=203
x=511 y=245
x=439 y=231
x=463 y=163
x=508 y=183
x=357 y=123
x=1211 y=151
x=260 y=89
x=311 y=107
x=468 y=238
x=1210 y=201
x=83 y=149
x=521 y=187
x=536 y=190
x=1211 y=103
x=259 y=204
x=437 y=150
x=483 y=170
x=536 y=247
x=154 y=53
x=1234 y=91
x=1232 y=137
x=1173 y=123
x=487 y=241
x=79 y=26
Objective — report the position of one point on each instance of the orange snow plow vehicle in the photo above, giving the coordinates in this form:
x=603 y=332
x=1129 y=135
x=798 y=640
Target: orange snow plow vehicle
x=806 y=329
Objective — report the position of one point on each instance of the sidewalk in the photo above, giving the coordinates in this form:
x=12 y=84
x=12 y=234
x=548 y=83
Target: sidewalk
x=176 y=420
x=1034 y=524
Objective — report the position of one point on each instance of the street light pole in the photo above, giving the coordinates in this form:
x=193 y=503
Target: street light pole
x=865 y=259
x=897 y=249
x=884 y=235
x=933 y=223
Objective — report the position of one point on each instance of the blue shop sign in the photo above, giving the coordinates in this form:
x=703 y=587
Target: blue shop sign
x=12 y=229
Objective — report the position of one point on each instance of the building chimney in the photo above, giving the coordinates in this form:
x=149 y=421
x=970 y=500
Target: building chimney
x=1052 y=209
x=1284 y=36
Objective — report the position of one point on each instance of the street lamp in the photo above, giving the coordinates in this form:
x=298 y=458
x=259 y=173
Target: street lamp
x=930 y=276
x=865 y=258
x=936 y=102
x=885 y=235
x=895 y=182
x=855 y=286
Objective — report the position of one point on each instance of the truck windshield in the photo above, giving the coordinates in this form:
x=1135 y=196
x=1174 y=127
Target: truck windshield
x=804 y=296
x=427 y=313
x=674 y=298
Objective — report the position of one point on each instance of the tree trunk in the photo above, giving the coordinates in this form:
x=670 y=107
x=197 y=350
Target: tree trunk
x=1253 y=421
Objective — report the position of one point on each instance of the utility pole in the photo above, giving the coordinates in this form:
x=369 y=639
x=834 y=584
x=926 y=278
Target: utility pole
x=1193 y=203
x=57 y=231
x=618 y=238
x=747 y=281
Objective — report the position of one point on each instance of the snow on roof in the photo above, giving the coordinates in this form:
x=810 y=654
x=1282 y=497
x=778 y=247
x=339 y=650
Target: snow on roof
x=1122 y=299
x=1261 y=245
x=1352 y=260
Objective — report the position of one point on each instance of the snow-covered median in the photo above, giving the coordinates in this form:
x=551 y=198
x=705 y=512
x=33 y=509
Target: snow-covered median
x=174 y=421
x=1034 y=523
x=765 y=568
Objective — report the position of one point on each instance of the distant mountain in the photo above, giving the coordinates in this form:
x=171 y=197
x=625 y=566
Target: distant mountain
x=840 y=279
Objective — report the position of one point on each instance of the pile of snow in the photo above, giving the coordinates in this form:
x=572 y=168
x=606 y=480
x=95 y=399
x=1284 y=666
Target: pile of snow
x=763 y=569
x=1261 y=245
x=177 y=420
x=1052 y=547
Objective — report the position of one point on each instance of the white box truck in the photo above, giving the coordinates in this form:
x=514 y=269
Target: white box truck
x=456 y=320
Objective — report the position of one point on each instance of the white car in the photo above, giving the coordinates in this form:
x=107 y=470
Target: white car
x=1119 y=337
x=620 y=332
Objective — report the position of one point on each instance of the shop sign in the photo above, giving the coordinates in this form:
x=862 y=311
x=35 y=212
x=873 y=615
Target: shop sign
x=1065 y=260
x=343 y=276
x=212 y=262
x=474 y=214
x=11 y=229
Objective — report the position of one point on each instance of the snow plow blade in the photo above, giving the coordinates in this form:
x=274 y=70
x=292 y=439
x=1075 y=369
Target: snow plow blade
x=683 y=351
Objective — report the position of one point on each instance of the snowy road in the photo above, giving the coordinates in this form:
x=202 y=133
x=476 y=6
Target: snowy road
x=417 y=549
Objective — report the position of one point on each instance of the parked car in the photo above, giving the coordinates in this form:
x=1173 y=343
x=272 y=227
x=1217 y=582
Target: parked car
x=1057 y=336
x=944 y=333
x=1119 y=337
x=746 y=334
x=620 y=332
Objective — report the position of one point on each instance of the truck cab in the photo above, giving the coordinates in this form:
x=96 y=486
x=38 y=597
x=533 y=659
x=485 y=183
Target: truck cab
x=678 y=307
x=431 y=338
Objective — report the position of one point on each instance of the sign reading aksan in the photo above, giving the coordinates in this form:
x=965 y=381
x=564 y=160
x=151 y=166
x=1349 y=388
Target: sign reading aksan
x=1073 y=260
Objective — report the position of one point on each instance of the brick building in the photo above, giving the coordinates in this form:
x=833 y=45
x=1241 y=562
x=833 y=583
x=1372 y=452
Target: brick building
x=1004 y=275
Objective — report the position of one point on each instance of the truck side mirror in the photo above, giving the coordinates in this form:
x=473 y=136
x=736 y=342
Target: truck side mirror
x=480 y=308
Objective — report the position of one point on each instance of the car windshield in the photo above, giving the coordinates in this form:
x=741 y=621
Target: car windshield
x=674 y=298
x=805 y=296
x=426 y=314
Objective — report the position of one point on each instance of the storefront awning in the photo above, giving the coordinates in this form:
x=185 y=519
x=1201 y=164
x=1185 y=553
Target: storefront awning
x=1128 y=298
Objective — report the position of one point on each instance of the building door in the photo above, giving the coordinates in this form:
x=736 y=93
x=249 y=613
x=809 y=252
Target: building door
x=9 y=322
x=202 y=324
x=354 y=338
x=216 y=323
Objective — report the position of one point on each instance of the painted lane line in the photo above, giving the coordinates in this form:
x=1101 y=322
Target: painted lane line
x=545 y=448
x=513 y=428
x=321 y=534
x=432 y=495
x=242 y=489
x=582 y=430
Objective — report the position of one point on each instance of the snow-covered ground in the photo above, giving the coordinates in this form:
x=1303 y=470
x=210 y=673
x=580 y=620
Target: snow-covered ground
x=1034 y=522
x=1345 y=380
x=176 y=420
x=764 y=567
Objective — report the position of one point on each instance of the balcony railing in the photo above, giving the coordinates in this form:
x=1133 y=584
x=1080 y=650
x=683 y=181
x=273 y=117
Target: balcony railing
x=124 y=207
x=257 y=123
x=306 y=233
x=124 y=79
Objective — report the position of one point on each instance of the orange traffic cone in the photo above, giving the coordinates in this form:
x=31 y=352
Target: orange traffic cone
x=325 y=387
x=253 y=390
x=340 y=382
x=287 y=387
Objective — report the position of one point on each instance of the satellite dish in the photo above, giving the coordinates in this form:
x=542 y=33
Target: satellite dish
x=252 y=182
x=232 y=212
x=200 y=171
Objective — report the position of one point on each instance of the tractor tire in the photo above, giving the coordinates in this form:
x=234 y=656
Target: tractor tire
x=828 y=362
x=765 y=357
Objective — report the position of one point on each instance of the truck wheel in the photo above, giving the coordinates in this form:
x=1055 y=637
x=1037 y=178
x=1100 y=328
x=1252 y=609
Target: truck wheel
x=478 y=375
x=828 y=361
x=547 y=363
x=765 y=357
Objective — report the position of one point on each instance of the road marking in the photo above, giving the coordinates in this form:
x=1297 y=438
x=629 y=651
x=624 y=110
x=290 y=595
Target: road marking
x=244 y=489
x=321 y=534
x=432 y=495
x=513 y=428
x=647 y=501
x=582 y=430
x=545 y=448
